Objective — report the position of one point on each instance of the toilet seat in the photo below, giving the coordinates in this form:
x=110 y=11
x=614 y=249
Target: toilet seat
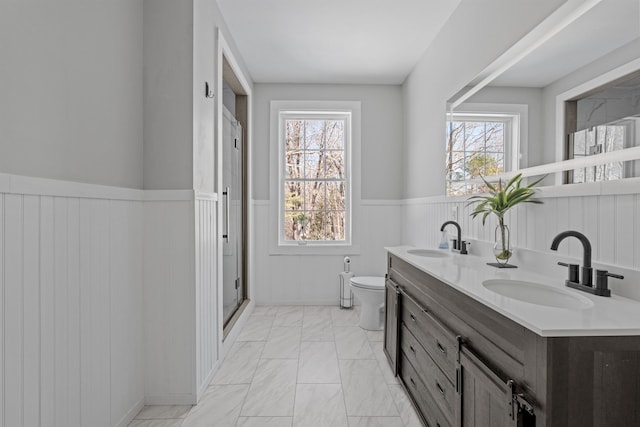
x=368 y=282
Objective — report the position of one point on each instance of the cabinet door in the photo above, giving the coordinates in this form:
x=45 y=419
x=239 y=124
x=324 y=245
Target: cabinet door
x=484 y=399
x=391 y=324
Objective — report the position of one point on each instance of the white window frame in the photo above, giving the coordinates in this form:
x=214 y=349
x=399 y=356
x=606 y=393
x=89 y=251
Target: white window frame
x=515 y=156
x=320 y=109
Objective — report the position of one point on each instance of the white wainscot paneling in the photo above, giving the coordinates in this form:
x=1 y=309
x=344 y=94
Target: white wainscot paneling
x=626 y=235
x=169 y=302
x=207 y=330
x=70 y=332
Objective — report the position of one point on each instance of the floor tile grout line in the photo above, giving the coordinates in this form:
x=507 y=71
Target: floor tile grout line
x=344 y=398
x=295 y=385
x=387 y=385
x=244 y=401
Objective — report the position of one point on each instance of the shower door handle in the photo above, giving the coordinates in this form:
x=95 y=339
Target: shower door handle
x=226 y=195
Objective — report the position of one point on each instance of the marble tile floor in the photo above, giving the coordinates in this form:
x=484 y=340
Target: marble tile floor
x=297 y=367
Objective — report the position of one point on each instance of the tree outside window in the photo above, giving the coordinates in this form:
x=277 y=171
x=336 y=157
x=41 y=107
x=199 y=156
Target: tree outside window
x=476 y=146
x=315 y=178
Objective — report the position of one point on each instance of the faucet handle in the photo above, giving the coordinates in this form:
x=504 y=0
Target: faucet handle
x=463 y=247
x=602 y=282
x=574 y=275
x=607 y=274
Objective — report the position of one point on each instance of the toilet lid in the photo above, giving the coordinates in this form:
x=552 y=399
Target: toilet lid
x=368 y=282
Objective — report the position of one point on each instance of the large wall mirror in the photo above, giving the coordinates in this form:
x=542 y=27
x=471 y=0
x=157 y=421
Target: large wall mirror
x=564 y=101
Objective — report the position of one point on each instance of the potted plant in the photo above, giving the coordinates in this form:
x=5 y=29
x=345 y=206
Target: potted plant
x=499 y=200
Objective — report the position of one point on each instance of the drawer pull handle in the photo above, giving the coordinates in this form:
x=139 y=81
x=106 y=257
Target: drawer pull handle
x=412 y=381
x=440 y=388
x=441 y=348
x=412 y=349
x=412 y=316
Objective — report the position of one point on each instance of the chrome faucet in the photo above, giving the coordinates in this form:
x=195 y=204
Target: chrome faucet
x=458 y=244
x=586 y=285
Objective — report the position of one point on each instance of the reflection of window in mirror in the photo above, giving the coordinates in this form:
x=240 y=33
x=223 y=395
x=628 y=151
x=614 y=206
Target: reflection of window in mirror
x=480 y=143
x=603 y=120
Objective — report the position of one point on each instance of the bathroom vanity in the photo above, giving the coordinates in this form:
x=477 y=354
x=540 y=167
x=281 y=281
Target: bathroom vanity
x=469 y=357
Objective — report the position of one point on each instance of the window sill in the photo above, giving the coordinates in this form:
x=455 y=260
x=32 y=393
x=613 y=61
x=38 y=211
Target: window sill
x=310 y=249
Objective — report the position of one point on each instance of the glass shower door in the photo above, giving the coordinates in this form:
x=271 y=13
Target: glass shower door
x=232 y=286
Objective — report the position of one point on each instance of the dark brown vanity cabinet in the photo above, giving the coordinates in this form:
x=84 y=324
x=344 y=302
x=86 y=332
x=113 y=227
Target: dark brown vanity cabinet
x=464 y=364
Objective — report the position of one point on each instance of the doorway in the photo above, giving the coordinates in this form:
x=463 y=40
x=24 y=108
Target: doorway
x=234 y=197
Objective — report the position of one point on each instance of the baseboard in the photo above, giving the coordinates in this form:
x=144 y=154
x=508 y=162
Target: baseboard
x=131 y=414
x=298 y=302
x=205 y=384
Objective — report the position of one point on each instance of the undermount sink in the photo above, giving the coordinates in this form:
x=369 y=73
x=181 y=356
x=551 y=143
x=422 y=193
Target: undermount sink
x=429 y=253
x=539 y=294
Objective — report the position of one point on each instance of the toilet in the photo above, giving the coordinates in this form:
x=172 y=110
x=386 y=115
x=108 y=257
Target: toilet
x=370 y=292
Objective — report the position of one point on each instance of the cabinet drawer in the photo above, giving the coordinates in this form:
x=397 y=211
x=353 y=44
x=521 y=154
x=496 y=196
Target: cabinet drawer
x=441 y=389
x=436 y=340
x=420 y=396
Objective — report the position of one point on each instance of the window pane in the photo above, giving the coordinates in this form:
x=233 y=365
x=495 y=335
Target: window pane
x=474 y=136
x=313 y=167
x=294 y=195
x=495 y=137
x=456 y=170
x=334 y=163
x=293 y=164
x=334 y=225
x=293 y=134
x=455 y=135
x=335 y=196
x=313 y=134
x=294 y=223
x=315 y=226
x=315 y=195
x=334 y=134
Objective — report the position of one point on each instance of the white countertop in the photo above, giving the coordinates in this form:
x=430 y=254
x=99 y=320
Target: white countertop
x=608 y=316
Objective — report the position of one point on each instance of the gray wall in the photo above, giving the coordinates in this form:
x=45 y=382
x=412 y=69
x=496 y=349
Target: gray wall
x=179 y=121
x=382 y=133
x=476 y=34
x=71 y=90
x=168 y=83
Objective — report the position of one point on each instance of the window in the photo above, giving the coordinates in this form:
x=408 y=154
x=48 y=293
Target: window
x=314 y=179
x=479 y=144
x=315 y=183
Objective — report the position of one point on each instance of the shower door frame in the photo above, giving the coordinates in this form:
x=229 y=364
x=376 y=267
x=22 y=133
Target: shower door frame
x=226 y=63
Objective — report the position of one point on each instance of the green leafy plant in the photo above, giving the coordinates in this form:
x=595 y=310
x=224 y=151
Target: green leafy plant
x=499 y=200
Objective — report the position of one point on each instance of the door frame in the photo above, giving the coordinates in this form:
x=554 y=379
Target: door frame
x=223 y=51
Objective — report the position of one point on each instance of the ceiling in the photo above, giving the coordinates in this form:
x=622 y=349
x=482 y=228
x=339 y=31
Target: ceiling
x=604 y=28
x=334 y=41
